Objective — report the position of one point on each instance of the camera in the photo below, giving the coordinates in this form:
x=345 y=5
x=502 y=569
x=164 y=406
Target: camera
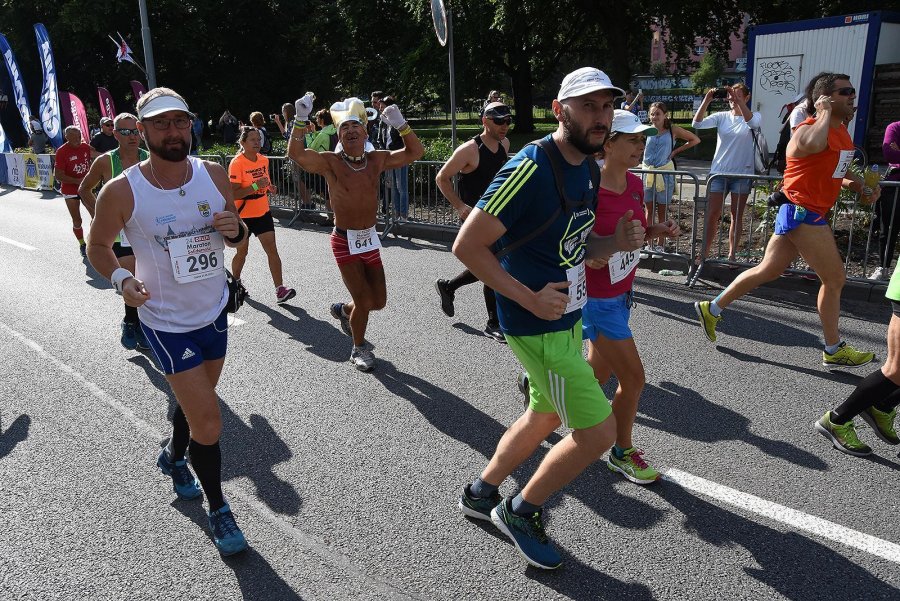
x=273 y=116
x=720 y=93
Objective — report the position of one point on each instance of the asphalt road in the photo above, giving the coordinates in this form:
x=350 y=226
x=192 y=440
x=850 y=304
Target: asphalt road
x=346 y=483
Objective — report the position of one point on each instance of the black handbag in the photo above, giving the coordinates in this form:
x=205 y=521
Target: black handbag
x=237 y=294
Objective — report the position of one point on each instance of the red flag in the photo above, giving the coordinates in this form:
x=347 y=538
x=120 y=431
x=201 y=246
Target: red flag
x=74 y=114
x=138 y=89
x=107 y=107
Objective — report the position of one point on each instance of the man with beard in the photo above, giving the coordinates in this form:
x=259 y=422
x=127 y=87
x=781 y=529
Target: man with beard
x=352 y=174
x=476 y=162
x=546 y=195
x=104 y=168
x=818 y=155
x=178 y=214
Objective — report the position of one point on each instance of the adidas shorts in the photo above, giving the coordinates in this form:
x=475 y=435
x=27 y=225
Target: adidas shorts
x=559 y=379
x=181 y=351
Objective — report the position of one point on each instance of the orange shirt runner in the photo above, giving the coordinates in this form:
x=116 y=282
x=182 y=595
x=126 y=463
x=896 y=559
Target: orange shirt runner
x=814 y=182
x=244 y=172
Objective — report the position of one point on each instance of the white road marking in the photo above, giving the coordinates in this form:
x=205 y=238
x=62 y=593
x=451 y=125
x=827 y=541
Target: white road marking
x=312 y=543
x=791 y=517
x=19 y=244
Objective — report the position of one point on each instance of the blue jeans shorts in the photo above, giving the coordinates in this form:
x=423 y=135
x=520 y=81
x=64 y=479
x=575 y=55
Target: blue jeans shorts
x=607 y=316
x=180 y=351
x=724 y=184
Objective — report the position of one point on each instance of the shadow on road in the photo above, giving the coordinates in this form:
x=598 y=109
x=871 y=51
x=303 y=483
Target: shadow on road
x=257 y=579
x=681 y=411
x=248 y=451
x=16 y=432
x=792 y=564
x=322 y=338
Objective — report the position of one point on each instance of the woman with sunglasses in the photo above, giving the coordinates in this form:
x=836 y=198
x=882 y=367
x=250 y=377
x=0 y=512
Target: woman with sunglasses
x=249 y=175
x=611 y=347
x=818 y=157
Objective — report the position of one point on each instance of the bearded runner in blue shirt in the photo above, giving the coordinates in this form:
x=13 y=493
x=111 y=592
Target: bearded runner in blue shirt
x=540 y=291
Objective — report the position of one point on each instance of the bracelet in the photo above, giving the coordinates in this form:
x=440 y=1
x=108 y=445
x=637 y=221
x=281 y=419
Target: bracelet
x=118 y=277
x=405 y=130
x=255 y=186
x=240 y=235
x=299 y=123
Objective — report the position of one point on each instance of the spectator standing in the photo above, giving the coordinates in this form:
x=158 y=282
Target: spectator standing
x=633 y=103
x=397 y=179
x=197 y=133
x=37 y=138
x=105 y=140
x=258 y=121
x=228 y=125
x=734 y=154
x=886 y=220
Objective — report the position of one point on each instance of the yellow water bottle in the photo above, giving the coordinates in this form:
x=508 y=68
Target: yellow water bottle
x=871 y=177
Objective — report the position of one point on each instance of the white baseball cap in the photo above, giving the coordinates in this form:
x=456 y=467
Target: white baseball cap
x=584 y=81
x=627 y=122
x=162 y=104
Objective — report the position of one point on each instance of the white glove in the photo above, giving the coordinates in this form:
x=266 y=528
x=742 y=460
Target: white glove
x=391 y=115
x=303 y=106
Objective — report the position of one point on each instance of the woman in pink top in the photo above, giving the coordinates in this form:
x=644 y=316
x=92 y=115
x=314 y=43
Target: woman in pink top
x=887 y=213
x=605 y=317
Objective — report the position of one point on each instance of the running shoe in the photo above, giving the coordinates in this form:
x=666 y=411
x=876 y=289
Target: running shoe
x=843 y=437
x=142 y=344
x=82 y=246
x=707 y=320
x=527 y=534
x=184 y=483
x=878 y=274
x=363 y=358
x=847 y=356
x=337 y=311
x=633 y=466
x=283 y=294
x=883 y=423
x=494 y=331
x=228 y=537
x=447 y=297
x=478 y=507
x=129 y=335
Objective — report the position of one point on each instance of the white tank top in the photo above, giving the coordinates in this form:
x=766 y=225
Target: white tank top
x=159 y=216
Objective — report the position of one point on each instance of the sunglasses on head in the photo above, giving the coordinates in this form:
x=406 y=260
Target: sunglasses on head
x=848 y=91
x=502 y=120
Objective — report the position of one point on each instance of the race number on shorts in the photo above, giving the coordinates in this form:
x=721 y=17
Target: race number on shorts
x=123 y=241
x=577 y=287
x=197 y=257
x=363 y=241
x=622 y=264
x=843 y=164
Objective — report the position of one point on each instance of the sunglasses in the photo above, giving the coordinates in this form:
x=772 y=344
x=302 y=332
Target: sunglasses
x=128 y=132
x=502 y=120
x=848 y=91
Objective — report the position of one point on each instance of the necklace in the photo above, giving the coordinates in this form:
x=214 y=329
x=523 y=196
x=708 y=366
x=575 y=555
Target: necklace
x=181 y=191
x=348 y=160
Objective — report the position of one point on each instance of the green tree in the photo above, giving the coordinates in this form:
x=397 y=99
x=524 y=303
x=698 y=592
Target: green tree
x=708 y=73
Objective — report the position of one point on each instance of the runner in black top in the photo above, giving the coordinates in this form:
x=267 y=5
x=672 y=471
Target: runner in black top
x=476 y=162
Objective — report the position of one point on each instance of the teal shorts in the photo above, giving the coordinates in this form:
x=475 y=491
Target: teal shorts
x=559 y=379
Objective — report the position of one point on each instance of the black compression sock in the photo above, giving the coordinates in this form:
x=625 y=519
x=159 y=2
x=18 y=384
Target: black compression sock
x=207 y=463
x=874 y=388
x=131 y=315
x=181 y=435
x=888 y=404
x=463 y=279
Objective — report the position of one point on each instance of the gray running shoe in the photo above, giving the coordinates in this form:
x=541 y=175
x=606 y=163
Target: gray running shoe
x=362 y=358
x=337 y=311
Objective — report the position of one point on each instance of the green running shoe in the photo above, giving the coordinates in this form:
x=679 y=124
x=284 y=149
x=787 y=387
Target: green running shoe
x=847 y=356
x=882 y=423
x=708 y=321
x=633 y=466
x=843 y=437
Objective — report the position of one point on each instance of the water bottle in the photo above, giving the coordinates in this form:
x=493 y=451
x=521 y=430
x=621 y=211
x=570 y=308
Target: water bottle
x=670 y=272
x=871 y=177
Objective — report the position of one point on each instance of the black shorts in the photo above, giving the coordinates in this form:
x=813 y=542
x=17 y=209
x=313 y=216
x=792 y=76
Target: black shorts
x=895 y=308
x=260 y=225
x=122 y=251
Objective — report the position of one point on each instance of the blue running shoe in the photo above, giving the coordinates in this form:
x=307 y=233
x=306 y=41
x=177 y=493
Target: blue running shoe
x=527 y=534
x=478 y=507
x=228 y=537
x=337 y=311
x=129 y=335
x=183 y=481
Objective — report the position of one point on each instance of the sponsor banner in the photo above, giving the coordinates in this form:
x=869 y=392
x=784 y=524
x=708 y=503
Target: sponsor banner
x=107 y=107
x=32 y=180
x=19 y=94
x=74 y=114
x=5 y=146
x=2 y=168
x=15 y=170
x=51 y=118
x=138 y=89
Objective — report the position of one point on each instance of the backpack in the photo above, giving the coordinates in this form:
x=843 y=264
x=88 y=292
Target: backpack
x=760 y=153
x=779 y=159
x=265 y=146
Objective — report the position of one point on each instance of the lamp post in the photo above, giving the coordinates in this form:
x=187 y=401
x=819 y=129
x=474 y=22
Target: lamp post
x=148 y=45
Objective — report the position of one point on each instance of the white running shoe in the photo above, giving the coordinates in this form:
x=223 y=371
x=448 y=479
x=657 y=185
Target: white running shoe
x=363 y=358
x=878 y=274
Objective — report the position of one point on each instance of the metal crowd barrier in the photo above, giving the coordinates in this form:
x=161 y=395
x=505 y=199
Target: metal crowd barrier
x=682 y=205
x=850 y=220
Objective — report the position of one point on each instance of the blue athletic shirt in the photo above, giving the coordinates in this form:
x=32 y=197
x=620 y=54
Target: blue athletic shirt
x=523 y=196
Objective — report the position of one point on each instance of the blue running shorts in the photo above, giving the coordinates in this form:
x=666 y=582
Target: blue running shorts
x=607 y=316
x=181 y=351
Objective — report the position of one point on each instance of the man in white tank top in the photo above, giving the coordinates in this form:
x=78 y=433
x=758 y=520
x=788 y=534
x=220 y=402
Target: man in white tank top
x=178 y=214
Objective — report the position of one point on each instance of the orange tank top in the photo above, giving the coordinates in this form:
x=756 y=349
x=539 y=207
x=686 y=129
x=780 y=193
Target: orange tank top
x=244 y=172
x=814 y=181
